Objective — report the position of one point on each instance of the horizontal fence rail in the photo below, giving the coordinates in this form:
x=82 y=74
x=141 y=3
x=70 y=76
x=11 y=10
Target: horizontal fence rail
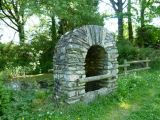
x=126 y=71
x=139 y=61
x=127 y=64
x=95 y=78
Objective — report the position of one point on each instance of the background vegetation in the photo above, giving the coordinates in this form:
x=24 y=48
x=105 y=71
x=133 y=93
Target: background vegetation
x=25 y=84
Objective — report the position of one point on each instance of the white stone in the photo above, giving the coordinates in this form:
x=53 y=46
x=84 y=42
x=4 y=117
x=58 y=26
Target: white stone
x=71 y=77
x=81 y=92
x=71 y=93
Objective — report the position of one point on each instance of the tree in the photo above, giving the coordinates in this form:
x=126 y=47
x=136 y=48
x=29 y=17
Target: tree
x=14 y=11
x=65 y=15
x=144 y=4
x=70 y=14
x=78 y=13
x=130 y=30
x=118 y=7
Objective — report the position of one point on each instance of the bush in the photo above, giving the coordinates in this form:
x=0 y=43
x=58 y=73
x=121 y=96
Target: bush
x=128 y=51
x=155 y=59
x=31 y=58
x=41 y=42
x=5 y=98
x=148 y=36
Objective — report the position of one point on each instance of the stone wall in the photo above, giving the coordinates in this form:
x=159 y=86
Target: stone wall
x=69 y=63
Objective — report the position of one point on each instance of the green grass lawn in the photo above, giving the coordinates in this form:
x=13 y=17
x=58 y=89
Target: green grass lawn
x=137 y=98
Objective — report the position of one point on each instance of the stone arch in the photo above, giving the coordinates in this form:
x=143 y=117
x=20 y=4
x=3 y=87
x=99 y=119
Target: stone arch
x=69 y=61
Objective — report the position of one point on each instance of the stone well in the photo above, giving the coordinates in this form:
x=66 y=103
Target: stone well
x=87 y=52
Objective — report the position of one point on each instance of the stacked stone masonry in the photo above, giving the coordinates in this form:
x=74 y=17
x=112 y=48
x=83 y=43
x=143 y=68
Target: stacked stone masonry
x=69 y=63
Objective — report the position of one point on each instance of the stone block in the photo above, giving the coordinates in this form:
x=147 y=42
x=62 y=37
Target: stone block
x=71 y=84
x=81 y=92
x=103 y=91
x=89 y=96
x=72 y=101
x=71 y=77
x=71 y=93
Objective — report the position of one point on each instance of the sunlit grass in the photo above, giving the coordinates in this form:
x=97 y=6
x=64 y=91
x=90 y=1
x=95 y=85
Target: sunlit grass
x=124 y=105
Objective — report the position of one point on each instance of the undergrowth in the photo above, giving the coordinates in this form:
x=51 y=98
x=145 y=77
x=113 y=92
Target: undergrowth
x=137 y=98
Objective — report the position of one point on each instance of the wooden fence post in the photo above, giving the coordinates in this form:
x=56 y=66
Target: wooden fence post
x=125 y=67
x=147 y=62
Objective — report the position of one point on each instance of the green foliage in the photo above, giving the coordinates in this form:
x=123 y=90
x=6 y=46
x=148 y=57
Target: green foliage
x=79 y=13
x=42 y=43
x=129 y=52
x=3 y=58
x=147 y=114
x=136 y=95
x=148 y=36
x=37 y=56
x=14 y=15
x=5 y=75
x=155 y=59
x=126 y=51
x=29 y=58
x=130 y=84
x=5 y=97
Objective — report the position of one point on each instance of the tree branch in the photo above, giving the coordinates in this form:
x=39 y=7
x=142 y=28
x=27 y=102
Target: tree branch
x=124 y=2
x=9 y=25
x=125 y=6
x=11 y=13
x=15 y=8
x=114 y=4
x=157 y=2
x=106 y=3
x=8 y=16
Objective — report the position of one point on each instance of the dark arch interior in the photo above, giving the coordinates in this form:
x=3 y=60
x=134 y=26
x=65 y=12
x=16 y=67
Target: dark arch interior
x=94 y=66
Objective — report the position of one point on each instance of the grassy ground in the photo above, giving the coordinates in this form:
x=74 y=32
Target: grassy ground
x=137 y=98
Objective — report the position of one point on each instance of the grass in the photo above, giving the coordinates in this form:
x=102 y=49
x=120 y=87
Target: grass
x=137 y=98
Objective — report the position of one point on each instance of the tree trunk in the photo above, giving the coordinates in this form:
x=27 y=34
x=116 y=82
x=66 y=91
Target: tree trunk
x=120 y=20
x=62 y=25
x=53 y=31
x=130 y=30
x=21 y=33
x=142 y=15
x=120 y=28
x=142 y=10
x=118 y=8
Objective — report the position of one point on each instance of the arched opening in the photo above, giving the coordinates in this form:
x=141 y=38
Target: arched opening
x=94 y=65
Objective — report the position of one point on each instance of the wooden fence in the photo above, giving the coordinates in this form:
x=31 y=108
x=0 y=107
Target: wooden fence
x=127 y=64
x=125 y=70
x=95 y=78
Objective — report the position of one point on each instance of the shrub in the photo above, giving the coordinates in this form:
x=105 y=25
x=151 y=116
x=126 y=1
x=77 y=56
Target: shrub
x=155 y=59
x=28 y=58
x=5 y=98
x=128 y=51
x=148 y=36
x=41 y=42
